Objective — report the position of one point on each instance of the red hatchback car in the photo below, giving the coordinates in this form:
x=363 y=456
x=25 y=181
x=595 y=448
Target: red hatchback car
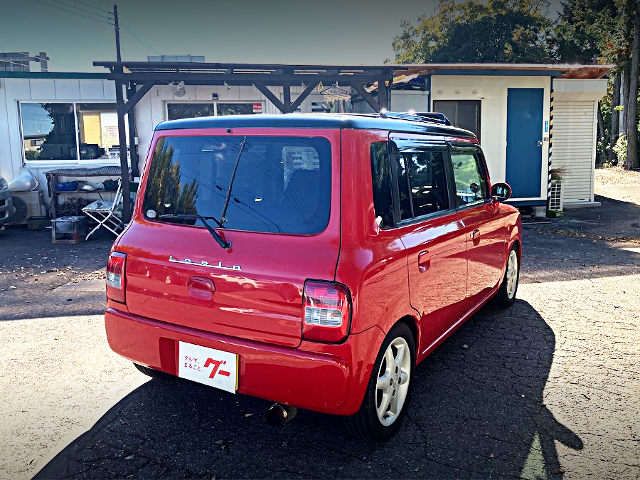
x=312 y=260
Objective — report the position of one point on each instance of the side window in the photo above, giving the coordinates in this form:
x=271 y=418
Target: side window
x=381 y=178
x=406 y=210
x=422 y=185
x=471 y=185
x=427 y=180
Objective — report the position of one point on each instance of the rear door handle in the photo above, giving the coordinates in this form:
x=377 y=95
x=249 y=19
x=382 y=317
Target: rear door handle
x=424 y=261
x=201 y=288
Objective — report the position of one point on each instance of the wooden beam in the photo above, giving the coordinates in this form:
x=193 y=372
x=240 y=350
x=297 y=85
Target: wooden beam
x=240 y=78
x=305 y=93
x=366 y=96
x=286 y=90
x=124 y=165
x=383 y=97
x=270 y=95
x=137 y=96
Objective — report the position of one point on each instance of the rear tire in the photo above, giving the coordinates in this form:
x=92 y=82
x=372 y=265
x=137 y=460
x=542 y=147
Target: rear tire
x=506 y=295
x=150 y=372
x=384 y=405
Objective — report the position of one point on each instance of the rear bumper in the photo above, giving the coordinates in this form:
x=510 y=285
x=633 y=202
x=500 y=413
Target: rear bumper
x=324 y=378
x=6 y=205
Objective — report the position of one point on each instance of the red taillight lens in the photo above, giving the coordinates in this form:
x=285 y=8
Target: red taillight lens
x=116 y=276
x=327 y=312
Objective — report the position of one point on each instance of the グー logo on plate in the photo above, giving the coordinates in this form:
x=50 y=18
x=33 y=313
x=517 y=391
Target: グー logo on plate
x=209 y=366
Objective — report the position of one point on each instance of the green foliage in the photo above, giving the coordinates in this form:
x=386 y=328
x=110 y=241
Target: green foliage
x=584 y=30
x=620 y=149
x=164 y=192
x=501 y=31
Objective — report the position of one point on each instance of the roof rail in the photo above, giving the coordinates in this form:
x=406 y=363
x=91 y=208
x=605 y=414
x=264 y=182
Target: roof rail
x=427 y=117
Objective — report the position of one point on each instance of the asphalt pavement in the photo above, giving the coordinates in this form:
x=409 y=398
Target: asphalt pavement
x=547 y=389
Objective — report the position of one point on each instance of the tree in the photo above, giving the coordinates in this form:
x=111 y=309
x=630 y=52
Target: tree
x=584 y=29
x=632 y=114
x=501 y=31
x=602 y=31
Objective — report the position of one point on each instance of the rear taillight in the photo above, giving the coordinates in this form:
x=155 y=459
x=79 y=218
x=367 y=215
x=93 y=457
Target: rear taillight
x=116 y=276
x=327 y=312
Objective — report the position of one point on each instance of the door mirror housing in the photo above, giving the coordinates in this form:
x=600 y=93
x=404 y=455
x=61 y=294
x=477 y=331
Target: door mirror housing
x=500 y=191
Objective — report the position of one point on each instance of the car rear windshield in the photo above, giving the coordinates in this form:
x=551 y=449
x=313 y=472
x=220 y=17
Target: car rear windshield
x=282 y=184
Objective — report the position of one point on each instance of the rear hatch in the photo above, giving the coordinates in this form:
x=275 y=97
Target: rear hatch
x=279 y=221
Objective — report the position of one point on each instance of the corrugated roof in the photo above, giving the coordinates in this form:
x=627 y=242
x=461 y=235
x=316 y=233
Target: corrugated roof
x=565 y=70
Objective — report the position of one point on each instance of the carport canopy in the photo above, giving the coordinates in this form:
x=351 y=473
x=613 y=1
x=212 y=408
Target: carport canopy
x=140 y=77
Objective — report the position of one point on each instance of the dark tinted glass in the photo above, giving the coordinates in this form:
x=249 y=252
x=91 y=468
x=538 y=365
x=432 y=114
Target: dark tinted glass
x=381 y=177
x=403 y=189
x=49 y=131
x=462 y=113
x=427 y=179
x=471 y=186
x=235 y=109
x=469 y=116
x=283 y=184
x=176 y=111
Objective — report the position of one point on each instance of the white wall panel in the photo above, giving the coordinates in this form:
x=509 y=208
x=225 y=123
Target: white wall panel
x=92 y=90
x=42 y=89
x=109 y=90
x=67 y=89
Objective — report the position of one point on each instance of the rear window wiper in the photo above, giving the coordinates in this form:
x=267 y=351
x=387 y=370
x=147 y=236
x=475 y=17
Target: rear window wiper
x=224 y=244
x=223 y=219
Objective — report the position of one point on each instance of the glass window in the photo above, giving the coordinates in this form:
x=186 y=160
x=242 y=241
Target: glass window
x=422 y=184
x=462 y=113
x=283 y=184
x=427 y=179
x=49 y=131
x=471 y=185
x=238 y=108
x=98 y=131
x=406 y=210
x=176 y=111
x=381 y=178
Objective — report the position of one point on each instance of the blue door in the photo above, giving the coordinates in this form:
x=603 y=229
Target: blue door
x=524 y=141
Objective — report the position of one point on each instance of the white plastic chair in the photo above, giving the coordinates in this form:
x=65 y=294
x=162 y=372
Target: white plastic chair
x=105 y=212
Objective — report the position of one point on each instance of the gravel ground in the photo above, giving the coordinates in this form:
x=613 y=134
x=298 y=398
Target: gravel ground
x=547 y=389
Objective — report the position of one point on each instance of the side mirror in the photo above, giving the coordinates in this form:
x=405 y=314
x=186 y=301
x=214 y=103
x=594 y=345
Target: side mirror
x=500 y=191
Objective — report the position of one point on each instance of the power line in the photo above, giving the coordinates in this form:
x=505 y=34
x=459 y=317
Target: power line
x=142 y=42
x=82 y=9
x=90 y=6
x=69 y=11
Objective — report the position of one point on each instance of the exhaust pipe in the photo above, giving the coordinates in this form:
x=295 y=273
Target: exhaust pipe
x=279 y=415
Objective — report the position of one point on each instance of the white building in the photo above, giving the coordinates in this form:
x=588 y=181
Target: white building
x=508 y=106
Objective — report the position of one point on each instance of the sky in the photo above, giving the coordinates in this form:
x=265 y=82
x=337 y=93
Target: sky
x=249 y=31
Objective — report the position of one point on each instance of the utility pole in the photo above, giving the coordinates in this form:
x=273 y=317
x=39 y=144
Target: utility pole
x=122 y=133
x=117 y=27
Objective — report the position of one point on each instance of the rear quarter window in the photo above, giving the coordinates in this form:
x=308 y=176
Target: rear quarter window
x=282 y=185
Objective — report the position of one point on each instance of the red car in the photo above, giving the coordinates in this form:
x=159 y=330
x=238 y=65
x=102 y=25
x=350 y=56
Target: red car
x=312 y=260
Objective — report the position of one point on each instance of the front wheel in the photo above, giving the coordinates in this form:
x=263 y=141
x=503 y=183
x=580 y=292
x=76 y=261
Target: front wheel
x=389 y=388
x=506 y=295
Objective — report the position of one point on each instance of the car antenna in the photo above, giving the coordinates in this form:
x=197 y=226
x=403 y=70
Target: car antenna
x=223 y=219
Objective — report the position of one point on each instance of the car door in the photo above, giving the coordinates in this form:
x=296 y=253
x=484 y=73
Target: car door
x=432 y=234
x=484 y=227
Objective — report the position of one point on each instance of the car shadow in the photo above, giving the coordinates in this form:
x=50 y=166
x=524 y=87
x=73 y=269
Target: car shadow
x=477 y=411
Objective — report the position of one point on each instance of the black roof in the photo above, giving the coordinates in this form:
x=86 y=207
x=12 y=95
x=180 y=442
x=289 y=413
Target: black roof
x=318 y=120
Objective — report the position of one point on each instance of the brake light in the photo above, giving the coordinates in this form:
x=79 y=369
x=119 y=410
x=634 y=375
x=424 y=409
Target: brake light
x=116 y=276
x=327 y=312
